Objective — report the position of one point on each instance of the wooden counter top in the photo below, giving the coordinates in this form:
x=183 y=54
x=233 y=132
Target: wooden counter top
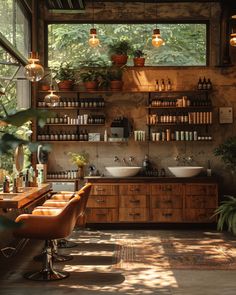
x=143 y=179
x=20 y=200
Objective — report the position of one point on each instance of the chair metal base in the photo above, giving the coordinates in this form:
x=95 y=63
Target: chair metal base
x=46 y=276
x=55 y=257
x=63 y=243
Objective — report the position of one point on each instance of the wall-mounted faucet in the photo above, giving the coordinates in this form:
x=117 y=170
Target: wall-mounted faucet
x=116 y=159
x=183 y=159
x=131 y=159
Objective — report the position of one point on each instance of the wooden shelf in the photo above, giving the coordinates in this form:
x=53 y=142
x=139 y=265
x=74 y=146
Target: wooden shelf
x=71 y=108
x=178 y=124
x=61 y=179
x=63 y=124
x=180 y=108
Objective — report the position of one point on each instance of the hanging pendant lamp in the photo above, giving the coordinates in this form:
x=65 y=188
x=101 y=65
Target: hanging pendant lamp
x=33 y=71
x=157 y=41
x=93 y=40
x=51 y=99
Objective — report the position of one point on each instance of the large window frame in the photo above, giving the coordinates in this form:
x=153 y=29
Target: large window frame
x=195 y=21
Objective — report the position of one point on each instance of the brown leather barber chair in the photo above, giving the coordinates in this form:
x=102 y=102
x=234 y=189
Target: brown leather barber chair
x=48 y=228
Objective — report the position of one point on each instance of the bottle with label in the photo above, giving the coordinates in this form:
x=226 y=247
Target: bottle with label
x=157 y=85
x=105 y=135
x=204 y=84
x=162 y=86
x=209 y=84
x=208 y=168
x=6 y=185
x=168 y=85
x=199 y=84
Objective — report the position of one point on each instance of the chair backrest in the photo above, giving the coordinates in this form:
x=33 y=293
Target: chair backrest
x=86 y=189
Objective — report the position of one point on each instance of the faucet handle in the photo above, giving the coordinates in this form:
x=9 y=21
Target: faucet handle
x=131 y=159
x=116 y=159
x=177 y=158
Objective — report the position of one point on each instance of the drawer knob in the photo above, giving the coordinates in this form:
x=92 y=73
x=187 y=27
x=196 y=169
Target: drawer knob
x=100 y=201
x=167 y=214
x=134 y=201
x=100 y=189
x=100 y=214
x=134 y=189
x=134 y=214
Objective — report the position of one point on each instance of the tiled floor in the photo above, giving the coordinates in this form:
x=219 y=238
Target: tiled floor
x=94 y=270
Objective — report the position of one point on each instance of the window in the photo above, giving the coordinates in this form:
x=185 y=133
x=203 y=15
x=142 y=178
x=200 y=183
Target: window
x=14 y=25
x=185 y=43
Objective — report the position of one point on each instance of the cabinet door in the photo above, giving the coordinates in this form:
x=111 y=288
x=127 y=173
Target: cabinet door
x=167 y=189
x=166 y=215
x=198 y=202
x=200 y=215
x=201 y=189
x=101 y=215
x=166 y=202
x=133 y=201
x=102 y=201
x=104 y=189
x=134 y=189
x=133 y=214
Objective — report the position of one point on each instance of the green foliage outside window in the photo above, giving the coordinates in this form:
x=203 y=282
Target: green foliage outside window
x=185 y=44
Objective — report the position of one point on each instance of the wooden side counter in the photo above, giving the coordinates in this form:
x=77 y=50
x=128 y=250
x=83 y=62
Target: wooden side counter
x=24 y=199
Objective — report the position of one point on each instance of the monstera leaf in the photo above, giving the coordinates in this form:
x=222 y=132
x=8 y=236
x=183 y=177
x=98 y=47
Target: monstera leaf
x=21 y=117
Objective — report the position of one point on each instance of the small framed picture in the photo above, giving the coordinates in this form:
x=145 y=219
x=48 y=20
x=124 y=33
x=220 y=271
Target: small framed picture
x=94 y=137
x=225 y=115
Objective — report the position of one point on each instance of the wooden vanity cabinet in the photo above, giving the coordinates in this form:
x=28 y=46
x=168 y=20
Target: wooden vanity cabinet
x=102 y=206
x=166 y=202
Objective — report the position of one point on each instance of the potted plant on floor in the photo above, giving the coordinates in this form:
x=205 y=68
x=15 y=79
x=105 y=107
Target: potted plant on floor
x=227 y=210
x=119 y=52
x=90 y=78
x=66 y=76
x=138 y=58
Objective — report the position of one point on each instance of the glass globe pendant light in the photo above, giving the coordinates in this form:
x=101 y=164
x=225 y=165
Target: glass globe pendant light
x=93 y=40
x=33 y=71
x=232 y=40
x=157 y=41
x=51 y=99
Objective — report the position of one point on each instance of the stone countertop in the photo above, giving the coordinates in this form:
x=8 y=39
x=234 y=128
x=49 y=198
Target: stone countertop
x=20 y=200
x=144 y=179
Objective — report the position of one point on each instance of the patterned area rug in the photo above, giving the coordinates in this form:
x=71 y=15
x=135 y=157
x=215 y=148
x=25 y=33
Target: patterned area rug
x=181 y=252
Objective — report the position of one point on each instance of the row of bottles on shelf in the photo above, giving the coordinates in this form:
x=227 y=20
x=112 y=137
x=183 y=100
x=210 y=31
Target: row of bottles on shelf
x=162 y=85
x=180 y=118
x=178 y=135
x=62 y=135
x=78 y=103
x=68 y=174
x=204 y=84
x=79 y=120
x=184 y=101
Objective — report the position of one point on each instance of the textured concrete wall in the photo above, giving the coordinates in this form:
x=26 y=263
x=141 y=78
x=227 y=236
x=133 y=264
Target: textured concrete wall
x=133 y=105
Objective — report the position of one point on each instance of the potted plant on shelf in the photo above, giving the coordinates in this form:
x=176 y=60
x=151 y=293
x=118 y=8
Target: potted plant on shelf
x=90 y=78
x=139 y=58
x=80 y=159
x=66 y=76
x=114 y=75
x=119 y=52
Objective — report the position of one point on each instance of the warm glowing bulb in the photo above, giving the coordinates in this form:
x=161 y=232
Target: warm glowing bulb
x=93 y=40
x=157 y=41
x=51 y=100
x=33 y=71
x=232 y=40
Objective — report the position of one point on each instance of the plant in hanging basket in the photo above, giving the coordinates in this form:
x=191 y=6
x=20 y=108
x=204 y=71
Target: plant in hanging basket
x=119 y=52
x=138 y=58
x=66 y=76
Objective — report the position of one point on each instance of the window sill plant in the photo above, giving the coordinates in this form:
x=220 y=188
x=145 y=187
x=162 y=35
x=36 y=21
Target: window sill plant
x=90 y=78
x=119 y=52
x=139 y=58
x=65 y=76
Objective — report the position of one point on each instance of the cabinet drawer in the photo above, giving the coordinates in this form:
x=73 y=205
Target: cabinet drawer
x=167 y=189
x=167 y=202
x=199 y=215
x=104 y=189
x=102 y=202
x=133 y=214
x=201 y=189
x=101 y=215
x=134 y=189
x=139 y=201
x=198 y=202
x=167 y=215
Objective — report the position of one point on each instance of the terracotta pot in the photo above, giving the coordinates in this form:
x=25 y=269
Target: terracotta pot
x=65 y=85
x=116 y=85
x=91 y=85
x=44 y=87
x=80 y=172
x=119 y=59
x=139 y=61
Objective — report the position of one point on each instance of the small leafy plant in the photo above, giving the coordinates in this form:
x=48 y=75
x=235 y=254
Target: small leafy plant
x=120 y=48
x=138 y=53
x=80 y=159
x=65 y=72
x=227 y=152
x=227 y=214
x=90 y=75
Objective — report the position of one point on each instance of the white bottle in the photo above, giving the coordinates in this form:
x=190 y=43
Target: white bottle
x=105 y=135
